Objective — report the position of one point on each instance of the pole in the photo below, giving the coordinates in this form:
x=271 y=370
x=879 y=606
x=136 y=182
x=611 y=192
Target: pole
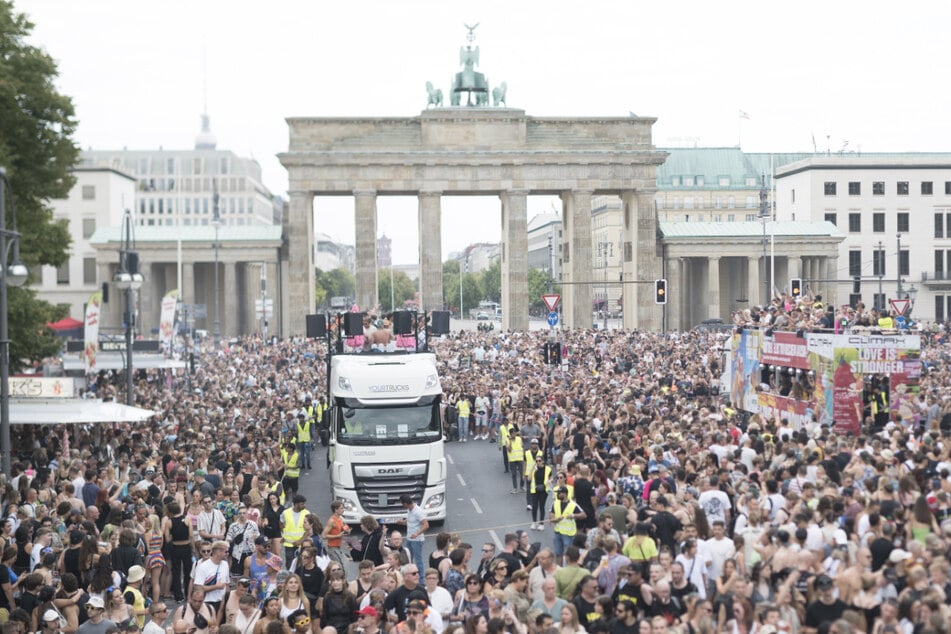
x=604 y=276
x=392 y=292
x=264 y=300
x=898 y=267
x=460 y=290
x=551 y=267
x=129 y=379
x=881 y=273
x=764 y=214
x=216 y=219
x=5 y=446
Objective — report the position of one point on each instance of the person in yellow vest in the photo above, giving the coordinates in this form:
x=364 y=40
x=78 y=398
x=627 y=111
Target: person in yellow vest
x=292 y=527
x=504 y=432
x=879 y=406
x=563 y=514
x=310 y=413
x=133 y=595
x=539 y=483
x=886 y=322
x=303 y=440
x=531 y=457
x=516 y=454
x=291 y=459
x=462 y=406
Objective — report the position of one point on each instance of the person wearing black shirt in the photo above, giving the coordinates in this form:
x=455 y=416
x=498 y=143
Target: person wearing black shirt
x=826 y=608
x=585 y=599
x=584 y=497
x=666 y=527
x=398 y=599
x=311 y=576
x=680 y=586
x=625 y=619
x=631 y=588
x=882 y=546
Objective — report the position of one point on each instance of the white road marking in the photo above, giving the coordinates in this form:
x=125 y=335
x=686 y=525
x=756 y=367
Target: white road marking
x=478 y=509
x=449 y=459
x=461 y=481
x=495 y=538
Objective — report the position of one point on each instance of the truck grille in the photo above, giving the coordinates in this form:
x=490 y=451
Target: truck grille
x=380 y=486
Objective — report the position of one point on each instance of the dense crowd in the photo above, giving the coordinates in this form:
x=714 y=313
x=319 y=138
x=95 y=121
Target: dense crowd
x=652 y=505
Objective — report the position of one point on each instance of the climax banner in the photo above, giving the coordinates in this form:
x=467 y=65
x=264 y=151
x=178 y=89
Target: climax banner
x=91 y=331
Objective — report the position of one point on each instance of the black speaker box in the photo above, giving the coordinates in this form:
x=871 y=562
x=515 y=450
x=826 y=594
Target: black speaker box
x=353 y=324
x=402 y=322
x=439 y=322
x=316 y=326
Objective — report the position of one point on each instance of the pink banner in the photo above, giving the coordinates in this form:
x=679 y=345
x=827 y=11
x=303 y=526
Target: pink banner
x=785 y=349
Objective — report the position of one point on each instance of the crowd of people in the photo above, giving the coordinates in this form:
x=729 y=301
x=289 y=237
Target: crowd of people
x=652 y=505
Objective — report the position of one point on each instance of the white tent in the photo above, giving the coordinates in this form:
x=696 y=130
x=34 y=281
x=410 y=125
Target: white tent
x=38 y=411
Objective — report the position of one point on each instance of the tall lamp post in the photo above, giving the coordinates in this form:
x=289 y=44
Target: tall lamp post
x=12 y=273
x=129 y=280
x=216 y=221
x=764 y=216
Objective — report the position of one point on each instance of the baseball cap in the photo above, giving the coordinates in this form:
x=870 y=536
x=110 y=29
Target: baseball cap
x=824 y=582
x=200 y=472
x=96 y=602
x=899 y=555
x=367 y=611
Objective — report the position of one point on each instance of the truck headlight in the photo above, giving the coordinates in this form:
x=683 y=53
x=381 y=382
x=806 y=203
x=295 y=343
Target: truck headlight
x=344 y=383
x=432 y=381
x=434 y=502
x=347 y=504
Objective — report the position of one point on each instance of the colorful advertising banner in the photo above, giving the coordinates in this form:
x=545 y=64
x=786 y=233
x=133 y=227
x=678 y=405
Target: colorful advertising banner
x=91 y=331
x=785 y=349
x=167 y=317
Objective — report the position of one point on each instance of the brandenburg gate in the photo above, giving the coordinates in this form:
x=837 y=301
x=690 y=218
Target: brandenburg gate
x=478 y=151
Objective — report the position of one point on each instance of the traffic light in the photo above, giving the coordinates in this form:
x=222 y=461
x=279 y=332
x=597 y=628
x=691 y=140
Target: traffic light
x=795 y=287
x=551 y=353
x=660 y=291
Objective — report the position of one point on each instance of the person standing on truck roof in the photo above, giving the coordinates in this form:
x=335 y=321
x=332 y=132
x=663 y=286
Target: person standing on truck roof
x=416 y=527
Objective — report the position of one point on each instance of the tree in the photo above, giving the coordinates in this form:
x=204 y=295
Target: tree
x=404 y=288
x=37 y=150
x=537 y=286
x=491 y=281
x=471 y=289
x=335 y=283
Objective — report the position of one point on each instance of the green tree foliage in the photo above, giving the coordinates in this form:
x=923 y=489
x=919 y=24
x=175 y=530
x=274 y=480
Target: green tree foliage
x=336 y=283
x=538 y=286
x=404 y=288
x=472 y=292
x=38 y=152
x=490 y=281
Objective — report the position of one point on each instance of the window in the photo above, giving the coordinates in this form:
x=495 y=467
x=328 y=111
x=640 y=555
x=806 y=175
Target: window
x=927 y=188
x=878 y=262
x=730 y=218
x=878 y=188
x=224 y=166
x=855 y=262
x=717 y=202
x=700 y=181
x=939 y=264
x=831 y=218
x=688 y=202
x=751 y=202
x=902 y=188
x=854 y=299
x=62 y=273
x=855 y=188
x=676 y=202
x=939 y=307
x=830 y=188
x=878 y=301
x=724 y=181
x=89 y=227
x=878 y=222
x=89 y=192
x=793 y=193
x=731 y=202
x=196 y=166
x=947 y=188
x=939 y=225
x=675 y=181
x=717 y=218
x=751 y=181
x=901 y=221
x=688 y=181
x=89 y=271
x=855 y=223
x=904 y=267
x=170 y=166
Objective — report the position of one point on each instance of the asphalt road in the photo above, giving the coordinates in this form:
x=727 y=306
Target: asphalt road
x=480 y=506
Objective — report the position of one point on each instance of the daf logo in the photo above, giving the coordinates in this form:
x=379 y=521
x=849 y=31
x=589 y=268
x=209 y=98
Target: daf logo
x=389 y=470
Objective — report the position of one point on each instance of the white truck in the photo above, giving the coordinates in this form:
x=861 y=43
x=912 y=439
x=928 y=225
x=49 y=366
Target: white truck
x=386 y=436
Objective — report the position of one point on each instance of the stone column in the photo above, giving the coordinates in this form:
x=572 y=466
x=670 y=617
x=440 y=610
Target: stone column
x=230 y=321
x=713 y=287
x=753 y=286
x=300 y=255
x=628 y=266
x=831 y=298
x=110 y=315
x=793 y=268
x=515 y=299
x=430 y=251
x=675 y=280
x=578 y=262
x=365 y=252
x=188 y=283
x=648 y=265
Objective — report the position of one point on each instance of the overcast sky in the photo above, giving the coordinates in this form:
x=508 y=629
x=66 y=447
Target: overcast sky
x=871 y=73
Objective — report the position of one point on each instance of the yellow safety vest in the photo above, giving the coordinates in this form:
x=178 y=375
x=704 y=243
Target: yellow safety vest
x=516 y=453
x=504 y=432
x=319 y=412
x=547 y=479
x=291 y=468
x=309 y=412
x=273 y=489
x=138 y=604
x=293 y=531
x=463 y=407
x=303 y=432
x=880 y=404
x=565 y=523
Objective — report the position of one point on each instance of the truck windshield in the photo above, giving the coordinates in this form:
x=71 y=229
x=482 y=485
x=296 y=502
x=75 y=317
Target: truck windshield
x=362 y=424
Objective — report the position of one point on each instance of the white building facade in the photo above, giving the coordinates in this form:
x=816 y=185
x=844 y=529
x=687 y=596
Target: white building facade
x=895 y=213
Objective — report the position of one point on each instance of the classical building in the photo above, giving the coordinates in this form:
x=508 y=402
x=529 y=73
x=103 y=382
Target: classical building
x=384 y=252
x=330 y=254
x=544 y=244
x=478 y=257
x=98 y=199
x=894 y=211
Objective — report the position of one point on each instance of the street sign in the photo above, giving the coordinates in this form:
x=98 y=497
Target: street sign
x=553 y=318
x=551 y=301
x=259 y=304
x=900 y=305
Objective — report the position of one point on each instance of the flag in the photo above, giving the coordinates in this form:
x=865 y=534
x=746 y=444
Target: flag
x=167 y=317
x=743 y=115
x=91 y=331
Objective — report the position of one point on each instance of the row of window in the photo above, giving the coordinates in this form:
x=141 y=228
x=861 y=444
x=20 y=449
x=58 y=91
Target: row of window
x=902 y=221
x=689 y=202
x=189 y=222
x=208 y=184
x=857 y=264
x=199 y=205
x=902 y=188
x=698 y=181
x=89 y=272
x=197 y=164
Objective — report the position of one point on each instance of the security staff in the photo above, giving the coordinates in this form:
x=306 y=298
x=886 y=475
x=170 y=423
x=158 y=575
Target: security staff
x=303 y=440
x=516 y=454
x=291 y=458
x=564 y=512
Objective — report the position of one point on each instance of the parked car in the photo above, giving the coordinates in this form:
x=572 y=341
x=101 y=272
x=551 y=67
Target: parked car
x=482 y=315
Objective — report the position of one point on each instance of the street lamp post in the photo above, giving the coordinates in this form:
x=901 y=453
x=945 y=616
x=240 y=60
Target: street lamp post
x=129 y=280
x=880 y=302
x=12 y=273
x=900 y=292
x=764 y=215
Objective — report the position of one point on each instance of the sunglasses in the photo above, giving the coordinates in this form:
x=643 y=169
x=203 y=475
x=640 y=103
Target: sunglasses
x=303 y=621
x=413 y=613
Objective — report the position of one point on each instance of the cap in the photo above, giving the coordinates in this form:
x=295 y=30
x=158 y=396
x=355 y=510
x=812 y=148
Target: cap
x=136 y=573
x=888 y=454
x=416 y=604
x=824 y=582
x=261 y=540
x=51 y=615
x=282 y=576
x=96 y=602
x=200 y=472
x=693 y=491
x=561 y=490
x=899 y=555
x=534 y=441
x=367 y=611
